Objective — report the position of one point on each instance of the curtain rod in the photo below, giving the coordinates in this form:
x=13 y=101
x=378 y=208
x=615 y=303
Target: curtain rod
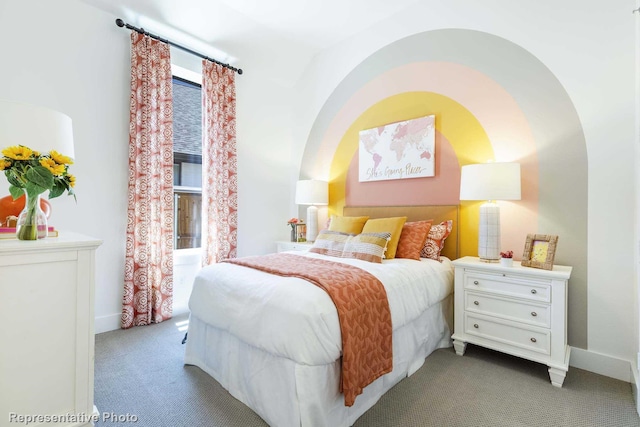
x=121 y=23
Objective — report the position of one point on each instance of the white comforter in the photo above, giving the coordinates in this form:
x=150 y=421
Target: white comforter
x=295 y=319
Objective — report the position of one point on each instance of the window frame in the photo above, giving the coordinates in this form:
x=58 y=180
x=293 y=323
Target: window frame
x=191 y=78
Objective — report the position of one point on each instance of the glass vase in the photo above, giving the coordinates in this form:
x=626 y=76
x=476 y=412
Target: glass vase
x=32 y=222
x=294 y=238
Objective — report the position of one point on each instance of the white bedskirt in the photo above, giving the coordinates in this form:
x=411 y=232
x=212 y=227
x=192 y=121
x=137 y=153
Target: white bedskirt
x=288 y=394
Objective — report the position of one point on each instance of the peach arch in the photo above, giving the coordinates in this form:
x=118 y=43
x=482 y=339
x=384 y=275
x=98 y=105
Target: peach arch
x=467 y=137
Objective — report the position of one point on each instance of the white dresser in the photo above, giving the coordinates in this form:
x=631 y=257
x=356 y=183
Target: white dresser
x=46 y=330
x=517 y=310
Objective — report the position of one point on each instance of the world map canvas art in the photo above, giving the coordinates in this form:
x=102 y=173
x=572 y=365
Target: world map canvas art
x=398 y=150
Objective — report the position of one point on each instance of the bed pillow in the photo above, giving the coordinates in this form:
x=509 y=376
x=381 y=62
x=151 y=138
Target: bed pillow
x=412 y=239
x=330 y=243
x=391 y=225
x=366 y=246
x=435 y=240
x=347 y=224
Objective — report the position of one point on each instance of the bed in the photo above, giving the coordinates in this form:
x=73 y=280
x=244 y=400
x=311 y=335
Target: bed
x=274 y=342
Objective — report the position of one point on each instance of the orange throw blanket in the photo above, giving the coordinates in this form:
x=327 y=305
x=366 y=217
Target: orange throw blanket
x=363 y=311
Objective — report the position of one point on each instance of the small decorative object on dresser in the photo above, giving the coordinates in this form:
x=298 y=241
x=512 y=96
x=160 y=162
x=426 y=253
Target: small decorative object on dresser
x=519 y=311
x=539 y=251
x=506 y=259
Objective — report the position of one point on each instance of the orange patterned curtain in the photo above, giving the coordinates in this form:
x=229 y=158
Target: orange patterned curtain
x=148 y=281
x=219 y=163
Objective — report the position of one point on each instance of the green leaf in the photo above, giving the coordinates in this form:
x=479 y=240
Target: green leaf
x=12 y=179
x=40 y=176
x=15 y=191
x=34 y=189
x=58 y=188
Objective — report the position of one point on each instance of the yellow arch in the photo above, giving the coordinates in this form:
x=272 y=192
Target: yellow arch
x=456 y=123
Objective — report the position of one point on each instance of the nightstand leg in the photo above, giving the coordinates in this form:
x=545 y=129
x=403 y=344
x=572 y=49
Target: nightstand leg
x=557 y=376
x=460 y=347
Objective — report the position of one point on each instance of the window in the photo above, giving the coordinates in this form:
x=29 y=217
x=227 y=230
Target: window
x=187 y=163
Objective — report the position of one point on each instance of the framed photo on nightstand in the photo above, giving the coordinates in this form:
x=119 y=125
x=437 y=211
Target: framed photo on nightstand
x=301 y=232
x=539 y=251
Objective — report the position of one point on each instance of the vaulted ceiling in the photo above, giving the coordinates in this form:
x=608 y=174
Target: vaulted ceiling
x=238 y=31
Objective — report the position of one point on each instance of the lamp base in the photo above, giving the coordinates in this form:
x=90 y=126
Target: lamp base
x=489 y=233
x=312 y=223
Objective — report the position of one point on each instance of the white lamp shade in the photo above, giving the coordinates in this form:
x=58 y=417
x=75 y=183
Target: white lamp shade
x=312 y=192
x=490 y=181
x=38 y=128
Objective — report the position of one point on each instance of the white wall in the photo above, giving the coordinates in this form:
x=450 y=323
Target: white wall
x=71 y=57
x=589 y=47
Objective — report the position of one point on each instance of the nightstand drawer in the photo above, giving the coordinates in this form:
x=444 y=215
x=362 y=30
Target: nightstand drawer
x=509 y=309
x=282 y=246
x=504 y=332
x=536 y=290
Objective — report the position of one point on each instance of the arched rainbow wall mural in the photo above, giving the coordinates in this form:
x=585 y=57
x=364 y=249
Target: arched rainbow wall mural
x=493 y=100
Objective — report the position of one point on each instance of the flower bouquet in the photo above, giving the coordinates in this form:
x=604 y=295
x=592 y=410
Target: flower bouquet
x=32 y=173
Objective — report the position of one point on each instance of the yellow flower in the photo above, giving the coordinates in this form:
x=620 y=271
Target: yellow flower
x=72 y=180
x=18 y=152
x=60 y=158
x=53 y=167
x=4 y=164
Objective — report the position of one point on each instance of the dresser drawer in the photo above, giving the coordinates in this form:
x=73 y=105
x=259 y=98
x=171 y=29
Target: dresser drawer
x=505 y=332
x=510 y=309
x=535 y=290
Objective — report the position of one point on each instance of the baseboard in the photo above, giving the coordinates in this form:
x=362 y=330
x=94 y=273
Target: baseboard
x=601 y=364
x=634 y=386
x=107 y=323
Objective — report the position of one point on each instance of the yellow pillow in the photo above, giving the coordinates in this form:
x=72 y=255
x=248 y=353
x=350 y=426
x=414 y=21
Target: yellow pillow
x=392 y=225
x=347 y=224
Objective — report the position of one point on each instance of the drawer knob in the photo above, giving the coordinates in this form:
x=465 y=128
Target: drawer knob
x=475 y=325
x=475 y=282
x=534 y=314
x=533 y=340
x=476 y=303
x=533 y=291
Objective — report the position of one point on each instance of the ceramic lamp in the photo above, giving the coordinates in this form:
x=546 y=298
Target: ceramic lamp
x=491 y=182
x=313 y=193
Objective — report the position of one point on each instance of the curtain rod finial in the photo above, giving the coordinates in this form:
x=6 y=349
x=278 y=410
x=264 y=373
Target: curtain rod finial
x=239 y=70
x=119 y=22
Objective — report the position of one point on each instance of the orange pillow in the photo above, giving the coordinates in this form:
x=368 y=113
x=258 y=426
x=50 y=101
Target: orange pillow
x=435 y=240
x=412 y=240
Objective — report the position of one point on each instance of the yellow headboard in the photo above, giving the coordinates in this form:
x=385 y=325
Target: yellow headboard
x=437 y=213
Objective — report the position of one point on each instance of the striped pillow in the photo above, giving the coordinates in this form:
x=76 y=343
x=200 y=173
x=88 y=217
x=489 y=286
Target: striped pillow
x=367 y=246
x=330 y=243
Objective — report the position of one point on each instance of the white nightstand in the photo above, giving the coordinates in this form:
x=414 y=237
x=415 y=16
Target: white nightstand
x=283 y=245
x=517 y=310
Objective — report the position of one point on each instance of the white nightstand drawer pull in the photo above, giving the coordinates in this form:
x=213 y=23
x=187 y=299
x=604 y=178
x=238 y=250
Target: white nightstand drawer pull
x=475 y=282
x=534 y=314
x=534 y=340
x=476 y=303
x=533 y=291
x=475 y=325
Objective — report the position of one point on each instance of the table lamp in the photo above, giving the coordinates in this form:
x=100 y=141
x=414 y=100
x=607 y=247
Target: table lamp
x=490 y=182
x=312 y=192
x=38 y=128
